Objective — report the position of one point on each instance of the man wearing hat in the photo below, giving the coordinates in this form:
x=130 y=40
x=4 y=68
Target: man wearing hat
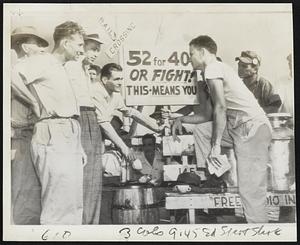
x=78 y=73
x=248 y=65
x=26 y=189
x=56 y=149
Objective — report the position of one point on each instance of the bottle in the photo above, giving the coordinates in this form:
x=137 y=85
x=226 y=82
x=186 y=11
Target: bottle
x=123 y=171
x=167 y=127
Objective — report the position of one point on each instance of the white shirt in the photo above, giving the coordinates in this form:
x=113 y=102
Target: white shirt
x=237 y=96
x=107 y=105
x=155 y=170
x=51 y=85
x=80 y=82
x=111 y=162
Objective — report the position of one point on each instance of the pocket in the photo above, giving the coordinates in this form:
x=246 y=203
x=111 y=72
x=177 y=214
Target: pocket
x=247 y=130
x=41 y=134
x=62 y=132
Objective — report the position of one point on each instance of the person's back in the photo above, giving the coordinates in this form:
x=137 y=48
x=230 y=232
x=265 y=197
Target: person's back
x=238 y=122
x=237 y=95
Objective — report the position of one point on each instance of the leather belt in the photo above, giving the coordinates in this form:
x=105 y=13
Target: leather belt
x=76 y=117
x=87 y=108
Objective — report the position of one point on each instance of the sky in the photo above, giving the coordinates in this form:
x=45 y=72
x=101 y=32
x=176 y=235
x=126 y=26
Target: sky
x=266 y=29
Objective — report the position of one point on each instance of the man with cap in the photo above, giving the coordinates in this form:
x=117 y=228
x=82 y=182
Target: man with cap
x=78 y=73
x=56 y=148
x=248 y=65
x=26 y=189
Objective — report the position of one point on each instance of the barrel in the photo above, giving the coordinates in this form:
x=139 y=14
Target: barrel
x=281 y=150
x=135 y=204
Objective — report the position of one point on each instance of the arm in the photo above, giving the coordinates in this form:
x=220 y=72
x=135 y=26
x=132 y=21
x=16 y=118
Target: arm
x=271 y=100
x=23 y=92
x=219 y=113
x=115 y=138
x=134 y=124
x=184 y=111
x=203 y=113
x=204 y=108
x=142 y=119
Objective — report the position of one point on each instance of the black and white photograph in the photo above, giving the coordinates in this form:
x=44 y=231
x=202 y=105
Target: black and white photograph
x=148 y=122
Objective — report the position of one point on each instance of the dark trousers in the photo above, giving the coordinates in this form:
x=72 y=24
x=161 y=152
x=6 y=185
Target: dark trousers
x=25 y=185
x=107 y=199
x=92 y=173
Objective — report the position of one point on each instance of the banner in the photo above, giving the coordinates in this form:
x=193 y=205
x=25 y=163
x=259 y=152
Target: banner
x=158 y=76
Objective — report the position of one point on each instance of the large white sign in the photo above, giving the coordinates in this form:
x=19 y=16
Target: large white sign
x=158 y=76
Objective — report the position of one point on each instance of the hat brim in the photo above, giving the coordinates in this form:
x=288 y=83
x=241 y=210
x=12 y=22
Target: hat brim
x=17 y=37
x=244 y=60
x=93 y=39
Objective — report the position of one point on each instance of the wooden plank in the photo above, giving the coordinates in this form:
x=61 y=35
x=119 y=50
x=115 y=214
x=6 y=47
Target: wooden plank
x=192 y=217
x=226 y=200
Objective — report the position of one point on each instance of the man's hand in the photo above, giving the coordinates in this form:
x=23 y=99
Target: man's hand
x=129 y=154
x=215 y=151
x=160 y=128
x=177 y=125
x=165 y=113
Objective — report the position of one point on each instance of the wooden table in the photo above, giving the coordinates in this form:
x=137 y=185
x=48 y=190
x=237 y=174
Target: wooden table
x=193 y=201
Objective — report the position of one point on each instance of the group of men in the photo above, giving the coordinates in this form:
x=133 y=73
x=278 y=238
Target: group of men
x=62 y=111
x=61 y=153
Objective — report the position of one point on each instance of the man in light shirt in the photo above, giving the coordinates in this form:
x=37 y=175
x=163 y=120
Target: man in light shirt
x=151 y=159
x=26 y=189
x=238 y=122
x=78 y=73
x=56 y=147
x=107 y=98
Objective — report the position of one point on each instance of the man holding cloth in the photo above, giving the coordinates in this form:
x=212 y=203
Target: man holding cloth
x=238 y=121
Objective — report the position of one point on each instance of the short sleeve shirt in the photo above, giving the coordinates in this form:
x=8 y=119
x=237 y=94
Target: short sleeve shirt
x=80 y=82
x=106 y=105
x=155 y=170
x=50 y=83
x=237 y=96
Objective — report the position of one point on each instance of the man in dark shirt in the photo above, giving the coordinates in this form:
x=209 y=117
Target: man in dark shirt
x=248 y=65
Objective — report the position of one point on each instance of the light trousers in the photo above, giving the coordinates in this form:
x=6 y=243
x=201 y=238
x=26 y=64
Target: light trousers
x=250 y=141
x=58 y=158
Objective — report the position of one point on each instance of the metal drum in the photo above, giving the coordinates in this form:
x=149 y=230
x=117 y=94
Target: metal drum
x=281 y=150
x=135 y=204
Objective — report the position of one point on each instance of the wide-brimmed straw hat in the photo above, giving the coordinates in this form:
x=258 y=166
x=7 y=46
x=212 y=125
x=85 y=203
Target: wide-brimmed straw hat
x=26 y=31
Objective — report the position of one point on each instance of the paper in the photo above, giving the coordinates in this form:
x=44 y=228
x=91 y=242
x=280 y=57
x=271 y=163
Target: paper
x=218 y=165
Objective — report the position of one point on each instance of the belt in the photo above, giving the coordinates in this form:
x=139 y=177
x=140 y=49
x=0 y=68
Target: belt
x=87 y=108
x=76 y=117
